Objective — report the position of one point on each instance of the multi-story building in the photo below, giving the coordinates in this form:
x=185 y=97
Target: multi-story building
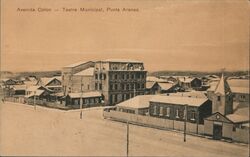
x=117 y=80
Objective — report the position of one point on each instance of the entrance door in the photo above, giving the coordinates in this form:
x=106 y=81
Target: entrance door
x=217 y=132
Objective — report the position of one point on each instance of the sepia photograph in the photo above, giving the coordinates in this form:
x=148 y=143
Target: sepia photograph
x=124 y=78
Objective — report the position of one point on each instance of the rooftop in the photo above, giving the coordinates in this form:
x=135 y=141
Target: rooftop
x=140 y=101
x=86 y=72
x=193 y=94
x=122 y=60
x=76 y=64
x=166 y=86
x=150 y=84
x=242 y=90
x=238 y=118
x=238 y=83
x=179 y=100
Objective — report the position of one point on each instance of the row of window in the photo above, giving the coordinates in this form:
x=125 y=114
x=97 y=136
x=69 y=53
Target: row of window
x=98 y=86
x=165 y=111
x=128 y=76
x=87 y=101
x=114 y=97
x=100 y=76
x=127 y=86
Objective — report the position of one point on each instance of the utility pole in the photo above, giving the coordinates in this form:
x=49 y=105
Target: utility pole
x=35 y=100
x=185 y=122
x=127 y=138
x=81 y=102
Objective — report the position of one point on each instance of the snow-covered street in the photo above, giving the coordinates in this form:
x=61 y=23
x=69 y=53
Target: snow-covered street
x=45 y=131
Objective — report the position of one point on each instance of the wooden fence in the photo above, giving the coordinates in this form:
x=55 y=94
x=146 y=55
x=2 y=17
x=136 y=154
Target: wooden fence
x=191 y=128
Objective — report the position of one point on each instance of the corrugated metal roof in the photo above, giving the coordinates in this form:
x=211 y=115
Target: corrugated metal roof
x=86 y=72
x=179 y=100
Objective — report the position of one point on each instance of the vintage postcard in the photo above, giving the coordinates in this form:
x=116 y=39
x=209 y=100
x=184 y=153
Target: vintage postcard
x=124 y=78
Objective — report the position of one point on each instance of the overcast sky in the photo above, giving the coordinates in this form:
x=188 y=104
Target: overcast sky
x=203 y=35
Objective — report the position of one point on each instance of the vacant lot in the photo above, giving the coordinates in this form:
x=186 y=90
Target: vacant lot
x=25 y=131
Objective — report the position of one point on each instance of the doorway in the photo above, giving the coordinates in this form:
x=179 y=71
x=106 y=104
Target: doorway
x=217 y=131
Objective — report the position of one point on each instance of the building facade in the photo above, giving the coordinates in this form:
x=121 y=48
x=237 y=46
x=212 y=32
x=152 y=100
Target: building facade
x=116 y=80
x=175 y=108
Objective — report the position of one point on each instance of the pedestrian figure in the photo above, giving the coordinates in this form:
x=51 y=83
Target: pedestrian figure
x=3 y=100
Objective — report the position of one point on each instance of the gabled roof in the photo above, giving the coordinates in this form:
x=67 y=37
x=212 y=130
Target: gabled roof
x=150 y=84
x=140 y=101
x=85 y=94
x=87 y=72
x=19 y=87
x=218 y=117
x=46 y=80
x=37 y=92
x=34 y=88
x=222 y=87
x=179 y=100
x=166 y=86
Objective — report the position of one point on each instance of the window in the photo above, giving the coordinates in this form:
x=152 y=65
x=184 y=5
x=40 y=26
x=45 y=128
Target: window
x=192 y=115
x=122 y=86
x=104 y=76
x=132 y=76
x=96 y=76
x=242 y=97
x=111 y=86
x=132 y=86
x=177 y=113
x=161 y=111
x=127 y=86
x=116 y=86
x=100 y=86
x=100 y=76
x=155 y=110
x=123 y=76
x=168 y=112
x=127 y=76
x=88 y=87
x=143 y=85
x=218 y=98
x=115 y=99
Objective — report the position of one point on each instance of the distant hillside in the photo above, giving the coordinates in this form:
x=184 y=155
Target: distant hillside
x=196 y=73
x=38 y=74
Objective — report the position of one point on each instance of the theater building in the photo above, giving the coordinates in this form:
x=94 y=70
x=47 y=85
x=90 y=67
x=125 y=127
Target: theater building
x=116 y=79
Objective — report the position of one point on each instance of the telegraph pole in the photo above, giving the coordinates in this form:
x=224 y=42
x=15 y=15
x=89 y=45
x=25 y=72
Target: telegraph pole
x=127 y=138
x=35 y=100
x=185 y=122
x=81 y=102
